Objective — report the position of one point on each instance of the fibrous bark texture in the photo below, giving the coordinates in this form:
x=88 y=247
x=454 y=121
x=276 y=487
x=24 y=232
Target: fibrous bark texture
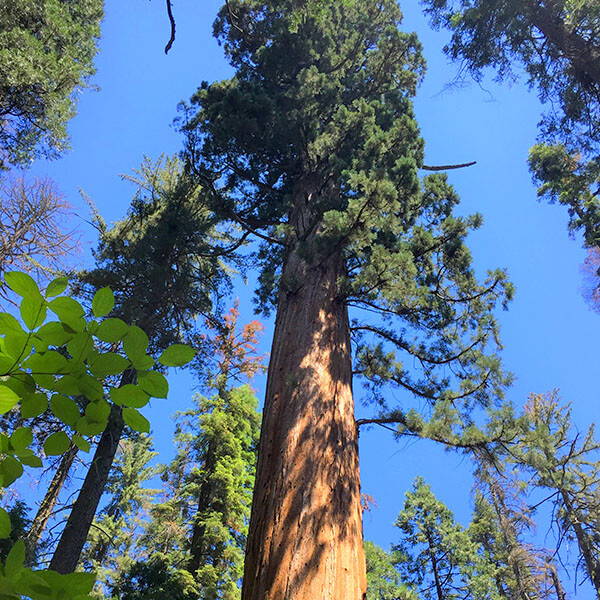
x=305 y=537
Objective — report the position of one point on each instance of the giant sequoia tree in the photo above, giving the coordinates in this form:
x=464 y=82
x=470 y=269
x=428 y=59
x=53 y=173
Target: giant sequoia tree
x=313 y=147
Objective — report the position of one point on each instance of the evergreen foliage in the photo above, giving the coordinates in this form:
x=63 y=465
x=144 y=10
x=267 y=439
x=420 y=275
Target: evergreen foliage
x=436 y=555
x=312 y=145
x=46 y=53
x=383 y=579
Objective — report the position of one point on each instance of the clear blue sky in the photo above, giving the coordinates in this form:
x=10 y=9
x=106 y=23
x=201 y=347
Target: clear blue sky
x=550 y=335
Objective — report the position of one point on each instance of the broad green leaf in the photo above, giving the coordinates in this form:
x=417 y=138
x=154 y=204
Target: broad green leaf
x=21 y=438
x=135 y=342
x=79 y=584
x=34 y=405
x=67 y=385
x=80 y=346
x=9 y=323
x=57 y=443
x=6 y=363
x=154 y=383
x=81 y=443
x=8 y=399
x=10 y=470
x=69 y=311
x=5 y=525
x=129 y=395
x=177 y=355
x=31 y=461
x=54 y=333
x=90 y=387
x=4 y=443
x=136 y=420
x=142 y=362
x=103 y=302
x=50 y=362
x=15 y=559
x=17 y=344
x=56 y=287
x=88 y=427
x=65 y=409
x=111 y=330
x=98 y=411
x=33 y=311
x=108 y=363
x=21 y=384
x=22 y=284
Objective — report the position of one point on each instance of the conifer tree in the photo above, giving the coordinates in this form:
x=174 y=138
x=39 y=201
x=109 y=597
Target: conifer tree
x=312 y=147
x=46 y=53
x=557 y=42
x=565 y=463
x=384 y=581
x=202 y=523
x=163 y=263
x=436 y=555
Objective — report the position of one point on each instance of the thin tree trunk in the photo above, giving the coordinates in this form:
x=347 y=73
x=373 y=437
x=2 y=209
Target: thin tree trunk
x=434 y=567
x=592 y=563
x=556 y=583
x=74 y=535
x=305 y=536
x=197 y=548
x=49 y=502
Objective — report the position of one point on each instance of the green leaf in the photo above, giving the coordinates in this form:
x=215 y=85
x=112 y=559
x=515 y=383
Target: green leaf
x=98 y=411
x=34 y=405
x=56 y=287
x=5 y=526
x=135 y=342
x=54 y=333
x=33 y=311
x=8 y=399
x=90 y=387
x=31 y=461
x=103 y=302
x=57 y=443
x=21 y=438
x=65 y=409
x=15 y=559
x=8 y=323
x=10 y=470
x=17 y=344
x=50 y=362
x=154 y=383
x=177 y=355
x=69 y=311
x=67 y=385
x=79 y=584
x=136 y=420
x=111 y=330
x=22 y=284
x=129 y=395
x=109 y=363
x=81 y=443
x=80 y=346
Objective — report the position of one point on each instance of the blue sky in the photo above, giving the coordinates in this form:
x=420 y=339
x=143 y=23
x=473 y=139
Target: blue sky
x=549 y=333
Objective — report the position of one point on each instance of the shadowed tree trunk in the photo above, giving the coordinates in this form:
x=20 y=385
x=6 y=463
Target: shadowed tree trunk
x=305 y=536
x=49 y=502
x=73 y=537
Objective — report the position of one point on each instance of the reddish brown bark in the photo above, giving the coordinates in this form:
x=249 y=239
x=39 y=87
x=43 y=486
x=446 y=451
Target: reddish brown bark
x=305 y=538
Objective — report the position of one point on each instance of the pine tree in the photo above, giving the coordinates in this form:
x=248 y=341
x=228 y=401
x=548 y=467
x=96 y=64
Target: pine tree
x=46 y=53
x=565 y=463
x=383 y=579
x=312 y=146
x=163 y=263
x=436 y=555
x=202 y=523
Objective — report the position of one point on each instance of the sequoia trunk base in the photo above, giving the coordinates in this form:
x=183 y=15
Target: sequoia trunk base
x=305 y=539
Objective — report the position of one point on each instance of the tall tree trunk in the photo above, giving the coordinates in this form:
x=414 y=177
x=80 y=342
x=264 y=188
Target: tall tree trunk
x=305 y=536
x=49 y=502
x=74 y=535
x=197 y=547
